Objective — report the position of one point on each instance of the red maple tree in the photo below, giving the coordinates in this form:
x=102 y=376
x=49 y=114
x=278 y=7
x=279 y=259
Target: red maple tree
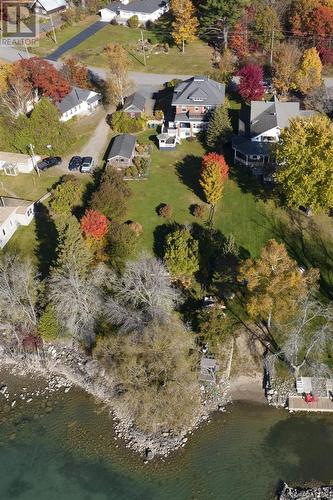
x=251 y=86
x=94 y=224
x=76 y=73
x=217 y=159
x=42 y=76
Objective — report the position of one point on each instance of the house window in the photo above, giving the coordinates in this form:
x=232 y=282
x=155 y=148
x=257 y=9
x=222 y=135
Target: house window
x=4 y=232
x=184 y=108
x=196 y=108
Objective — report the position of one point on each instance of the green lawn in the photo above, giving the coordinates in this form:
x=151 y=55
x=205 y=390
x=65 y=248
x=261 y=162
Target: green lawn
x=173 y=179
x=245 y=211
x=197 y=57
x=46 y=43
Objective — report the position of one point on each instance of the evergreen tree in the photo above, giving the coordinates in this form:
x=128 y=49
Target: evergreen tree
x=219 y=128
x=47 y=130
x=217 y=14
x=66 y=196
x=48 y=326
x=181 y=254
x=71 y=247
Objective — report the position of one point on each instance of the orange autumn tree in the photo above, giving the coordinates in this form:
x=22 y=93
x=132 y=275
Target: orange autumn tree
x=94 y=225
x=219 y=160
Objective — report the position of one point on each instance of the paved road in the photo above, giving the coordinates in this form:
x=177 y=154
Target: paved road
x=76 y=40
x=12 y=55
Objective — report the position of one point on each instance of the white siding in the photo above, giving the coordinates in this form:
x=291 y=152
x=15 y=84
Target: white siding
x=9 y=226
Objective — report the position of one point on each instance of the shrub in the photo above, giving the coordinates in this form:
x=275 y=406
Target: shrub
x=123 y=123
x=134 y=171
x=172 y=83
x=133 y=22
x=165 y=211
x=149 y=25
x=198 y=211
x=114 y=22
x=136 y=227
x=48 y=326
x=158 y=114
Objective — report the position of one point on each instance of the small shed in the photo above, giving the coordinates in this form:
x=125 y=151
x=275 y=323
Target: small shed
x=166 y=141
x=122 y=151
x=134 y=105
x=208 y=370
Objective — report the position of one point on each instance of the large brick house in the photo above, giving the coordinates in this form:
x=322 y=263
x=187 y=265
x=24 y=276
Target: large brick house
x=192 y=104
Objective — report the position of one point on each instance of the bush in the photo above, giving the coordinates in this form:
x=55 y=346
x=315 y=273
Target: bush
x=152 y=39
x=158 y=114
x=172 y=83
x=198 y=211
x=133 y=22
x=136 y=227
x=165 y=211
x=114 y=22
x=149 y=25
x=121 y=122
x=48 y=326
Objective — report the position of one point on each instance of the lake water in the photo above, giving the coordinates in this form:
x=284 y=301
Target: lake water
x=66 y=451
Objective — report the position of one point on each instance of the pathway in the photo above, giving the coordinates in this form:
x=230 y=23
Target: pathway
x=76 y=40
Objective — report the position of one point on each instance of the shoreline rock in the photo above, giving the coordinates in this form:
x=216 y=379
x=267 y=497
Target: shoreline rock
x=320 y=492
x=75 y=368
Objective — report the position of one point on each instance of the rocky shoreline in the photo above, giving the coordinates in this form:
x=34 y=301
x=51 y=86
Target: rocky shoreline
x=322 y=493
x=63 y=366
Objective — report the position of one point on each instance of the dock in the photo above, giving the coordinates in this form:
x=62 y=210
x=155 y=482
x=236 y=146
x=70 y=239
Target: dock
x=297 y=403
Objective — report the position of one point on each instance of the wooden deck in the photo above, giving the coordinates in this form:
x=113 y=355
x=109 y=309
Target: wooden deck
x=297 y=403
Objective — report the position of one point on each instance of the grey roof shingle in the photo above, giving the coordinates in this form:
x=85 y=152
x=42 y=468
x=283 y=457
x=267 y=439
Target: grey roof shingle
x=266 y=115
x=122 y=145
x=199 y=90
x=136 y=101
x=142 y=6
x=74 y=98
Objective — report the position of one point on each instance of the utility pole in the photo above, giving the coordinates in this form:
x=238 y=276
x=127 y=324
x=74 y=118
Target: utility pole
x=26 y=48
x=143 y=48
x=32 y=150
x=54 y=33
x=272 y=47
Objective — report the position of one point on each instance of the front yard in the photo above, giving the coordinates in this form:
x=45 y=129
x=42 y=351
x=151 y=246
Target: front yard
x=197 y=57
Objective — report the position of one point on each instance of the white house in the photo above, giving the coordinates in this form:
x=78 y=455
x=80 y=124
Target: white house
x=13 y=214
x=260 y=125
x=47 y=7
x=146 y=10
x=14 y=163
x=78 y=102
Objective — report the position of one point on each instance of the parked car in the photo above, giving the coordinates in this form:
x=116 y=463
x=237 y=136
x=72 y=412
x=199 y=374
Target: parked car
x=52 y=161
x=87 y=164
x=75 y=163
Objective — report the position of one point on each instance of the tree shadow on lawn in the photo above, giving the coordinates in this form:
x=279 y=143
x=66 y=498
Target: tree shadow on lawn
x=160 y=234
x=188 y=171
x=306 y=243
x=47 y=238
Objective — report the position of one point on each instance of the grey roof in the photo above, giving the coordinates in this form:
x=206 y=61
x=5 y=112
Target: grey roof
x=136 y=101
x=122 y=145
x=52 y=5
x=142 y=6
x=248 y=147
x=199 y=90
x=189 y=117
x=266 y=115
x=76 y=97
